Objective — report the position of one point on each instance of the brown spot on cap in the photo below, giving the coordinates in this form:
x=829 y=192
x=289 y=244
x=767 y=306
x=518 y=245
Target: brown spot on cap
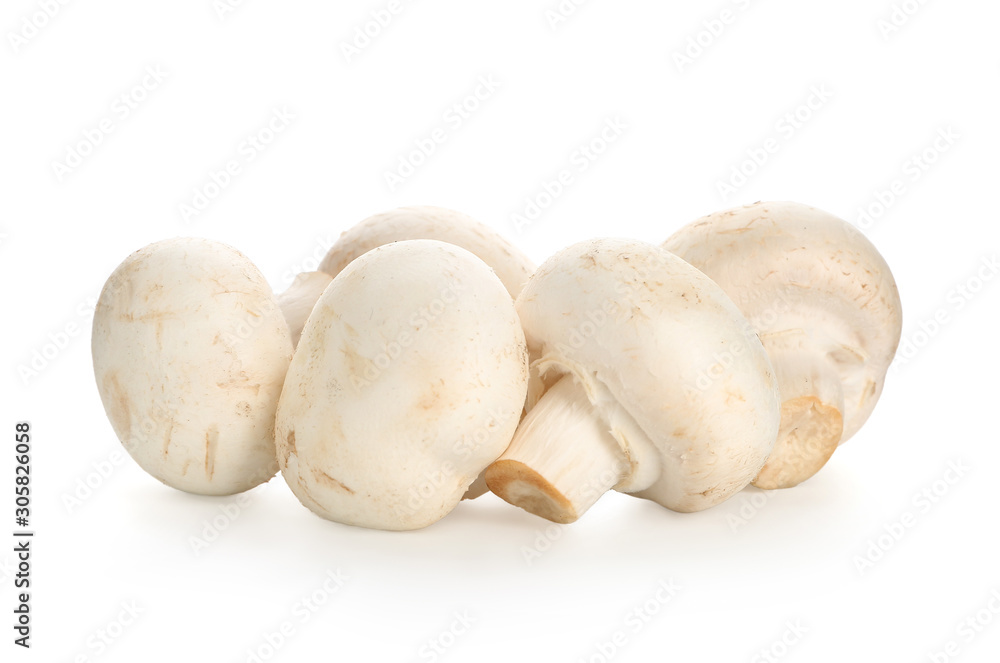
x=325 y=478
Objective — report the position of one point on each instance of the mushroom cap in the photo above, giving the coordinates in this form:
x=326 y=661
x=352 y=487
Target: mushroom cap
x=297 y=302
x=666 y=359
x=408 y=380
x=445 y=225
x=190 y=350
x=802 y=276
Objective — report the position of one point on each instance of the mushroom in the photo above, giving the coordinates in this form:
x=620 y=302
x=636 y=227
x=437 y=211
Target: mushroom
x=409 y=379
x=424 y=222
x=297 y=302
x=190 y=350
x=650 y=381
x=827 y=310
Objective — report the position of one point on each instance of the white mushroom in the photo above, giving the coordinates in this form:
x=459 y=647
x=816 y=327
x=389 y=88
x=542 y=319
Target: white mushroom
x=827 y=310
x=190 y=350
x=654 y=384
x=445 y=225
x=408 y=381
x=297 y=302
x=425 y=222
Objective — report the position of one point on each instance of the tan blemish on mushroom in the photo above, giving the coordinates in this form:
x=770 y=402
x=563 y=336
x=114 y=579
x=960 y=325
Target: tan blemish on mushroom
x=242 y=382
x=325 y=478
x=430 y=399
x=356 y=364
x=211 y=448
x=310 y=500
x=168 y=439
x=119 y=407
x=289 y=446
x=868 y=392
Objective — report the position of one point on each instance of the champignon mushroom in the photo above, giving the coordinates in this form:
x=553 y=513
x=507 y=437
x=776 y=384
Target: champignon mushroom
x=445 y=225
x=827 y=310
x=190 y=350
x=650 y=380
x=425 y=222
x=409 y=379
x=298 y=301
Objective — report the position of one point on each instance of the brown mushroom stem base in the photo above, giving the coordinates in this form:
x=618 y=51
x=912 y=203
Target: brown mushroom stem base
x=812 y=421
x=562 y=457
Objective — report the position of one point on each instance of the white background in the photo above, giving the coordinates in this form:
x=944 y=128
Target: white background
x=534 y=591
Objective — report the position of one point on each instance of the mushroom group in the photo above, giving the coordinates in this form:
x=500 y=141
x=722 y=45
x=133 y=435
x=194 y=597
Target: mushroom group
x=427 y=361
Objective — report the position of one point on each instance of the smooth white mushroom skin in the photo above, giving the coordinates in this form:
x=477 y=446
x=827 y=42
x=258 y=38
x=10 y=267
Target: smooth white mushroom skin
x=190 y=351
x=827 y=310
x=409 y=379
x=622 y=336
x=298 y=301
x=512 y=267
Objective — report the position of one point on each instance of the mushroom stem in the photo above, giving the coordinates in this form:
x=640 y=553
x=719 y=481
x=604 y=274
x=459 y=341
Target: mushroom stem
x=562 y=457
x=812 y=422
x=297 y=302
